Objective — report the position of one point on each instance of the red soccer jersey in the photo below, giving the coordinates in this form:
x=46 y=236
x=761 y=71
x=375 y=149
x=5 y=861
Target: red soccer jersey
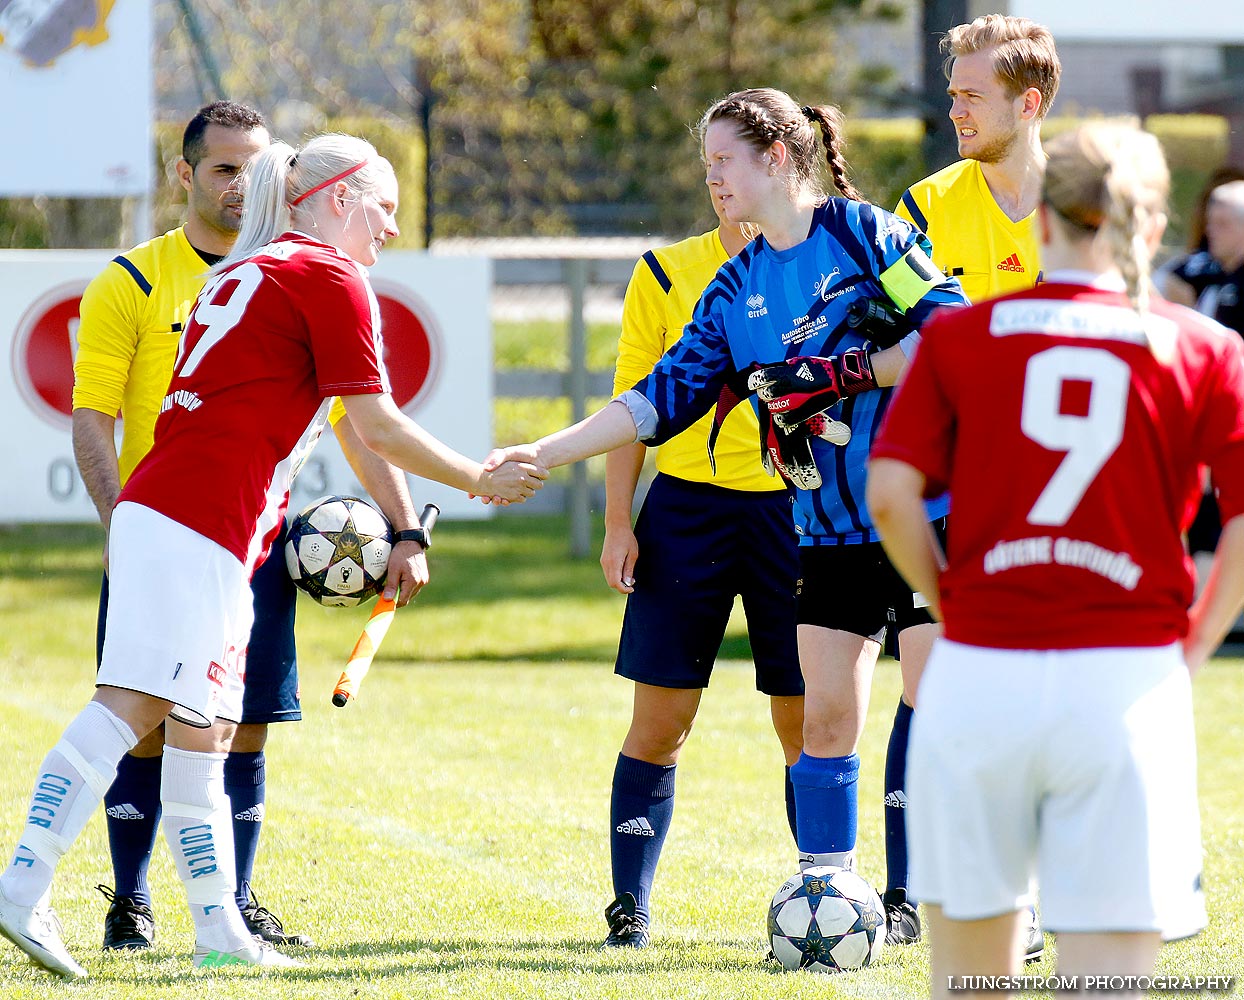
x=270 y=340
x=1072 y=454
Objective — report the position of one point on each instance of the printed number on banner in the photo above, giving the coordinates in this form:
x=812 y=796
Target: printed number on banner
x=1089 y=439
x=218 y=318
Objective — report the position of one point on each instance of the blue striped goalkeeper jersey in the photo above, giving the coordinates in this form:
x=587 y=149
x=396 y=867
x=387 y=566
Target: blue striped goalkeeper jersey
x=765 y=306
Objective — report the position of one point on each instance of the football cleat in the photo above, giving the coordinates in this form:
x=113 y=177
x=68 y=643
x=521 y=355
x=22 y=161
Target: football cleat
x=267 y=926
x=902 y=919
x=37 y=931
x=254 y=952
x=1035 y=949
x=627 y=928
x=129 y=925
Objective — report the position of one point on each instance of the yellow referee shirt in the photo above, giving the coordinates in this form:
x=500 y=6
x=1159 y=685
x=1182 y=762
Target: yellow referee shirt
x=973 y=239
x=131 y=320
x=660 y=298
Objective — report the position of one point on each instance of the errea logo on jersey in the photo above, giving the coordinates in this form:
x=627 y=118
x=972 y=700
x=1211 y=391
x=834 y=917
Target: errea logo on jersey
x=1011 y=264
x=756 y=306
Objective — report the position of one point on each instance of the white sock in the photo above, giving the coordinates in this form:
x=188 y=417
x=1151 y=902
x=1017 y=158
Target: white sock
x=199 y=831
x=71 y=783
x=832 y=859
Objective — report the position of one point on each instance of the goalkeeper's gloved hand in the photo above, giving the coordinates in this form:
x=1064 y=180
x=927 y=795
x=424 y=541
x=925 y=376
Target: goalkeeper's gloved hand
x=789 y=451
x=799 y=388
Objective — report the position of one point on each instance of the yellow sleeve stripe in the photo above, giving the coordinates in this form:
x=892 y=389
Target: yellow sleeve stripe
x=910 y=278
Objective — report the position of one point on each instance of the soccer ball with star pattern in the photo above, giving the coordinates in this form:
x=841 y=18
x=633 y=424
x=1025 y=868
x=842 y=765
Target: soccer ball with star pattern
x=827 y=920
x=337 y=550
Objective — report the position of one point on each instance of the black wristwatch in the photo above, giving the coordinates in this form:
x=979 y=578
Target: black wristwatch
x=419 y=535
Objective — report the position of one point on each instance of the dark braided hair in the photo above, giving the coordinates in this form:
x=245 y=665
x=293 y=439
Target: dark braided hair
x=763 y=116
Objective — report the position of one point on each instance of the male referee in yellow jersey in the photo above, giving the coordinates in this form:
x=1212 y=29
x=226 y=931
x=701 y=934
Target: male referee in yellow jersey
x=132 y=315
x=980 y=214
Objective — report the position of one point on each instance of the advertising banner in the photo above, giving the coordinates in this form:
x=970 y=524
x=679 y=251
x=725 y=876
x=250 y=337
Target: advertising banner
x=438 y=350
x=76 y=97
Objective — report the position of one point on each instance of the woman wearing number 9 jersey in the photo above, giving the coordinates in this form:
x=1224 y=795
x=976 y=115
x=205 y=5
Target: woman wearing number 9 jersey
x=1055 y=733
x=287 y=321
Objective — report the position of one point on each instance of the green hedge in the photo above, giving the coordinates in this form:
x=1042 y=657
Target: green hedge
x=1195 y=146
x=884 y=155
x=885 y=158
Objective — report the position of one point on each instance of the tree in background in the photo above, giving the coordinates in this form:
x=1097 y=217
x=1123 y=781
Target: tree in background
x=543 y=116
x=591 y=106
x=547 y=116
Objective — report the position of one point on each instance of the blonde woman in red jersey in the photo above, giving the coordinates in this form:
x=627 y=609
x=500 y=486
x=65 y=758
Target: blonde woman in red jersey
x=1055 y=736
x=287 y=321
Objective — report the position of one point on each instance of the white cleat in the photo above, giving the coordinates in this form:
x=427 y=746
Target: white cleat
x=36 y=930
x=1034 y=949
x=254 y=952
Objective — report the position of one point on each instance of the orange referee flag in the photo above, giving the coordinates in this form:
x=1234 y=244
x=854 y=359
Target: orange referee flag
x=360 y=659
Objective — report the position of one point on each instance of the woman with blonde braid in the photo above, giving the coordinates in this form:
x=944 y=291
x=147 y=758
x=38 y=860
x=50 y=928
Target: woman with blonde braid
x=1054 y=736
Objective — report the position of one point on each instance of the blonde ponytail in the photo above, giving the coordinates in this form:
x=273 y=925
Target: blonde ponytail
x=1110 y=180
x=283 y=188
x=265 y=211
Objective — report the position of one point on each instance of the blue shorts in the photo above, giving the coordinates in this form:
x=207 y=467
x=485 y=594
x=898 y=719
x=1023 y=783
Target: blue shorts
x=699 y=546
x=271 y=692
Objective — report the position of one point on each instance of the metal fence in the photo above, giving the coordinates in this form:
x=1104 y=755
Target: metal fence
x=568 y=280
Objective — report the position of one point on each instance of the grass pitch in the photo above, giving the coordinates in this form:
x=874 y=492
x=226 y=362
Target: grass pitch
x=446 y=834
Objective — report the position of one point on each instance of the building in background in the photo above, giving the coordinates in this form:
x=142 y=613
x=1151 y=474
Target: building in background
x=1137 y=57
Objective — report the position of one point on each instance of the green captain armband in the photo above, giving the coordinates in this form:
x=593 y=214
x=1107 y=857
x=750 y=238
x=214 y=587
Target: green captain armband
x=909 y=279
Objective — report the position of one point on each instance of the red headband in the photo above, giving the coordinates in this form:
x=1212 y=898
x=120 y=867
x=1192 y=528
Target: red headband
x=332 y=180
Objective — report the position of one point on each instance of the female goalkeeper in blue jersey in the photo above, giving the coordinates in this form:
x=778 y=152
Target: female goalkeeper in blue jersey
x=786 y=320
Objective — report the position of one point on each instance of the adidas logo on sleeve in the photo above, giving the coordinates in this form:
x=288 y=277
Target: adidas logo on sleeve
x=638 y=826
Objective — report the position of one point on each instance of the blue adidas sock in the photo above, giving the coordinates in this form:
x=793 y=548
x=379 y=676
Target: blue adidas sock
x=246 y=785
x=825 y=803
x=790 y=806
x=896 y=800
x=640 y=811
x=132 y=810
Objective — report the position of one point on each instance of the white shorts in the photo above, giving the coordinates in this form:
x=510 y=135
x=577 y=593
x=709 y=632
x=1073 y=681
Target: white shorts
x=179 y=617
x=1076 y=766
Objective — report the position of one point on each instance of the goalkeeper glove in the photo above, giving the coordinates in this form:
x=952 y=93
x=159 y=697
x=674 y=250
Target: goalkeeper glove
x=802 y=387
x=789 y=451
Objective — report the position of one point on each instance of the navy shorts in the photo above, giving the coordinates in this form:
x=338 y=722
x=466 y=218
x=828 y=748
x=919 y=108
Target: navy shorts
x=856 y=589
x=271 y=692
x=700 y=545
x=1206 y=527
